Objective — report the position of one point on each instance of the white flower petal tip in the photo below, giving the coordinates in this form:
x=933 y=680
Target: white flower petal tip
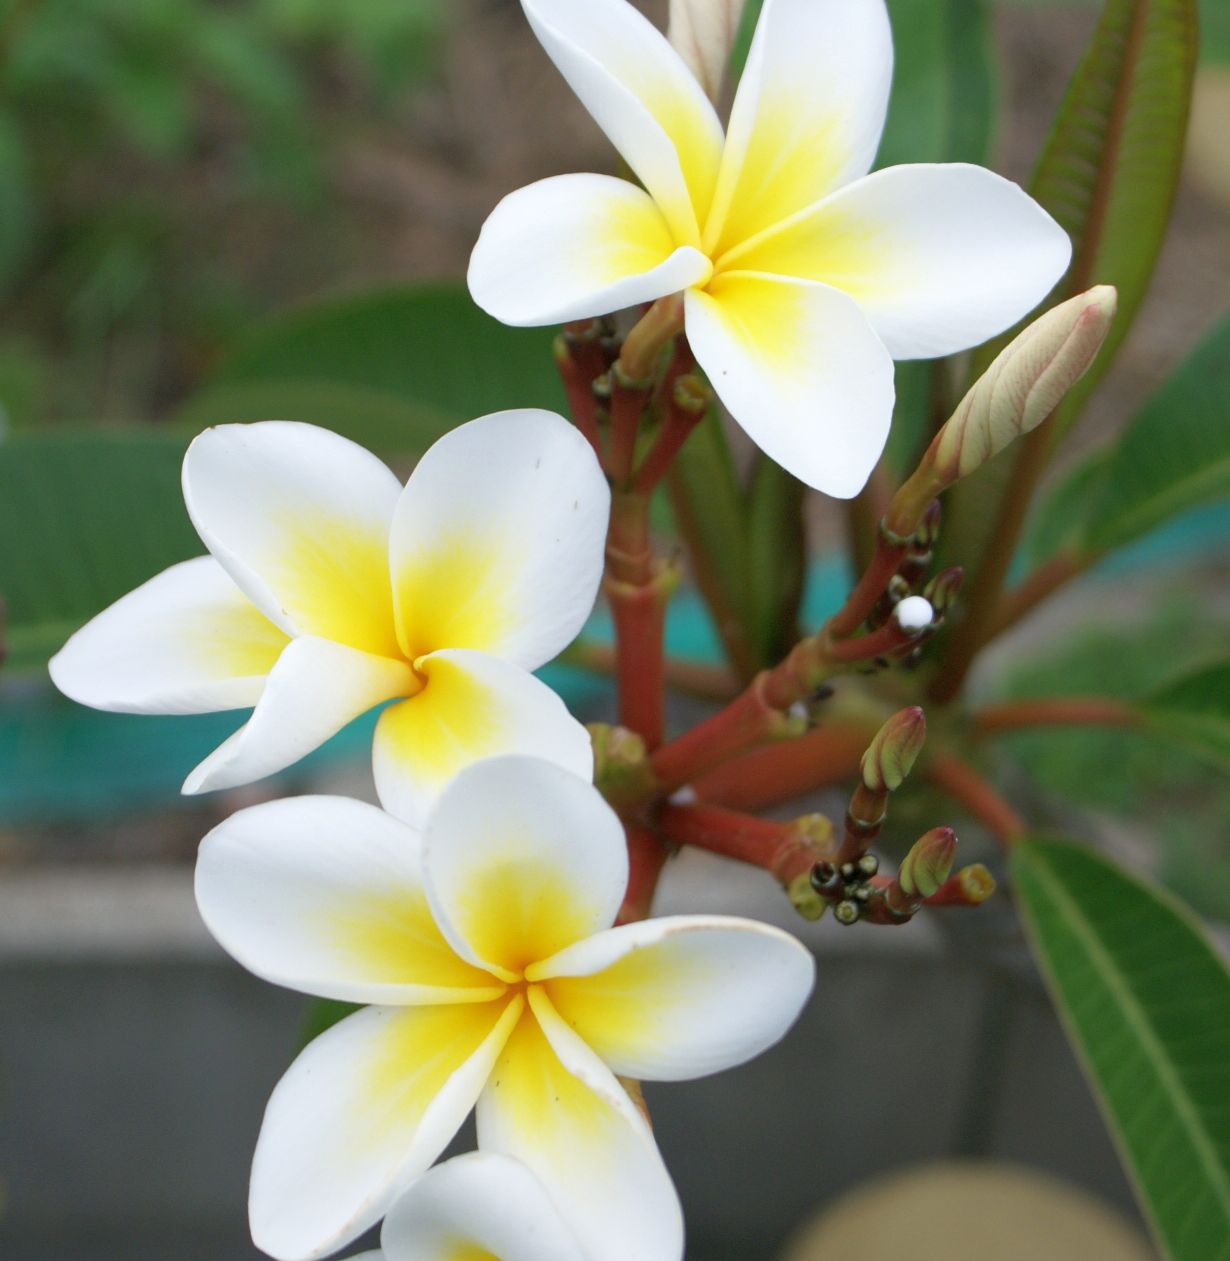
x=914 y=614
x=576 y=246
x=186 y=642
x=478 y=1205
x=362 y=1113
x=520 y=859
x=680 y=997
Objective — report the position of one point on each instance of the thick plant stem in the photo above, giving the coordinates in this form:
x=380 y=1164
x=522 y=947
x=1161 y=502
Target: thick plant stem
x=638 y=591
x=889 y=553
x=780 y=772
x=750 y=719
x=961 y=782
x=1060 y=711
x=647 y=856
x=785 y=850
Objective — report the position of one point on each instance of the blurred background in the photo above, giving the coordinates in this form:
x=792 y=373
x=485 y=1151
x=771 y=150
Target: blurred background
x=220 y=211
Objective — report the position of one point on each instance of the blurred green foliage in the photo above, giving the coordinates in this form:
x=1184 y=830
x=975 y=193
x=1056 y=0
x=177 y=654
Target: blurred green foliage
x=120 y=120
x=1137 y=775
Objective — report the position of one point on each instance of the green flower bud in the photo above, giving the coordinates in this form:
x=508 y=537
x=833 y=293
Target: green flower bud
x=892 y=753
x=929 y=863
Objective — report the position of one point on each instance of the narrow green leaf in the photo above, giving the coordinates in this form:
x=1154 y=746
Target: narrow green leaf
x=420 y=355
x=85 y=516
x=1111 y=166
x=1146 y=1002
x=1173 y=456
x=710 y=516
x=1194 y=710
x=777 y=559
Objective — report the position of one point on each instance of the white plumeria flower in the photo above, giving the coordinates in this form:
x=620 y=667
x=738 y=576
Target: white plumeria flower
x=804 y=276
x=496 y=978
x=331 y=589
x=480 y=1207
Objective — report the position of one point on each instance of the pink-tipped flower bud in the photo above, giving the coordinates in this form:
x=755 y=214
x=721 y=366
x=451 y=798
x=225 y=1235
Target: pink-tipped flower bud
x=1025 y=383
x=943 y=588
x=1023 y=386
x=703 y=33
x=928 y=864
x=891 y=755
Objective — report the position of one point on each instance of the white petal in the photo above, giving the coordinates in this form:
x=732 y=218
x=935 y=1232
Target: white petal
x=939 y=258
x=680 y=997
x=808 y=114
x=498 y=539
x=485 y=1203
x=520 y=860
x=554 y=1105
x=576 y=246
x=300 y=519
x=313 y=691
x=186 y=642
x=361 y=1113
x=800 y=369
x=473 y=706
x=325 y=895
x=642 y=95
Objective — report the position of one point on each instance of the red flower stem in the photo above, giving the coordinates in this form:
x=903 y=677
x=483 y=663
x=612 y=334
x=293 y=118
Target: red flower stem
x=684 y=412
x=574 y=363
x=747 y=721
x=767 y=776
x=961 y=782
x=785 y=850
x=628 y=399
x=696 y=678
x=871 y=586
x=647 y=856
x=1060 y=711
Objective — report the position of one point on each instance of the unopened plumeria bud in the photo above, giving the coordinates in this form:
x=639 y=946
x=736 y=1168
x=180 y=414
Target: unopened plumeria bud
x=892 y=753
x=975 y=883
x=621 y=762
x=703 y=33
x=942 y=590
x=1020 y=389
x=928 y=863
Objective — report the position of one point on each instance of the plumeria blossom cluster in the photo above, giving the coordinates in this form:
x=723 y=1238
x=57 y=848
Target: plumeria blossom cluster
x=485 y=918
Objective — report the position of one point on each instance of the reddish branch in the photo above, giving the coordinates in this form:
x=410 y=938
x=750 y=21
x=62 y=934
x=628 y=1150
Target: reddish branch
x=961 y=782
x=1061 y=711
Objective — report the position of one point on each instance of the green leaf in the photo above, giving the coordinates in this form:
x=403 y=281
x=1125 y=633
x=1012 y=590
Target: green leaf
x=393 y=369
x=777 y=559
x=1194 y=710
x=85 y=516
x=710 y=516
x=943 y=99
x=1146 y=1002
x=1111 y=166
x=1173 y=456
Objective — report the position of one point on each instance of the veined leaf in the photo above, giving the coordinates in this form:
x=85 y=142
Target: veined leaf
x=711 y=518
x=1111 y=167
x=777 y=559
x=1146 y=1002
x=1194 y=710
x=1173 y=456
x=85 y=516
x=422 y=357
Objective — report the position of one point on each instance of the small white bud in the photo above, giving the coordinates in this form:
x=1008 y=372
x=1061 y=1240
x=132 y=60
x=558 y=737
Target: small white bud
x=703 y=33
x=685 y=796
x=914 y=613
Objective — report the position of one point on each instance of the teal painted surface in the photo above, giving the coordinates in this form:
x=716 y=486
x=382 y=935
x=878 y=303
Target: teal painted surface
x=60 y=762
